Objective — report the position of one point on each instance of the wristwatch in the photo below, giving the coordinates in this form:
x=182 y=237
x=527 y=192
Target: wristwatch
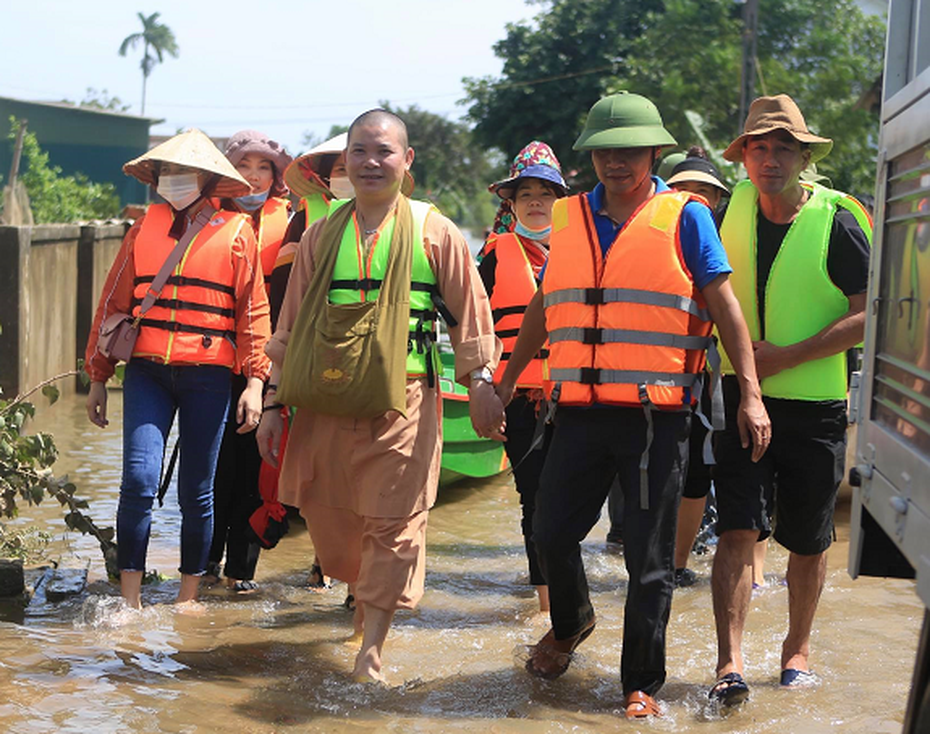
x=484 y=374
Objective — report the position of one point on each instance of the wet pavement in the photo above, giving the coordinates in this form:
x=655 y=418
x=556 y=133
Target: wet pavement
x=278 y=660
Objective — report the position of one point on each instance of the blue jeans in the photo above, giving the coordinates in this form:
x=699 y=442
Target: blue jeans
x=152 y=394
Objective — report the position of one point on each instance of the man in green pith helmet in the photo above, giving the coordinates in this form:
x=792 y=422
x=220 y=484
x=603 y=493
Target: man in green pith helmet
x=800 y=254
x=635 y=279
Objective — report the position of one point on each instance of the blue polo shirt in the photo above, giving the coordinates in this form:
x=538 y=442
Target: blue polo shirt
x=700 y=243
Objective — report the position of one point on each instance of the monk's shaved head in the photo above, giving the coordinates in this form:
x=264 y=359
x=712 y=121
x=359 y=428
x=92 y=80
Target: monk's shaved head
x=378 y=118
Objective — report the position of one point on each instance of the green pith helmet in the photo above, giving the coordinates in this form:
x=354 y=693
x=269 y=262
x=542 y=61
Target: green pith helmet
x=668 y=163
x=623 y=120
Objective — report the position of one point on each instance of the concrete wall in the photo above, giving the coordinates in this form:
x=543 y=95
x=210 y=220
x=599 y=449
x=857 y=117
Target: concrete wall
x=51 y=277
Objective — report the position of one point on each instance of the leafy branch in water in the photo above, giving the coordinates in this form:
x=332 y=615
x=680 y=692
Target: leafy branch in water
x=26 y=470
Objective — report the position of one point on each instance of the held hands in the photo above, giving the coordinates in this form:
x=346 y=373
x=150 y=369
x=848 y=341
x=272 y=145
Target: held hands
x=97 y=404
x=505 y=392
x=249 y=407
x=754 y=425
x=268 y=436
x=486 y=410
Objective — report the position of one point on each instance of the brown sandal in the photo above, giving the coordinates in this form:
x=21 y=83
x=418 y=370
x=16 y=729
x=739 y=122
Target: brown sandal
x=557 y=660
x=641 y=705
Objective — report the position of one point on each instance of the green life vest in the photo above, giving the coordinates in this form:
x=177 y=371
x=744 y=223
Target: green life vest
x=800 y=298
x=355 y=281
x=316 y=207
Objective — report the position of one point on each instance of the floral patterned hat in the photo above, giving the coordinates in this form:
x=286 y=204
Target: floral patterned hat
x=536 y=160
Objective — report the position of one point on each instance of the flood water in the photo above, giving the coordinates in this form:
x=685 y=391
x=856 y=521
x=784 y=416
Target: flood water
x=278 y=662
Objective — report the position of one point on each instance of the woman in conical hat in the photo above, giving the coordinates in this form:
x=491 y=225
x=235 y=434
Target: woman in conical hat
x=210 y=316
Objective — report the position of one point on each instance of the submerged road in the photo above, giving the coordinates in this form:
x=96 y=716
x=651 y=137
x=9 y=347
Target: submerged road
x=277 y=661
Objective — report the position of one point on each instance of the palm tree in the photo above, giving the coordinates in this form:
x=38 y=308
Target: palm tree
x=155 y=36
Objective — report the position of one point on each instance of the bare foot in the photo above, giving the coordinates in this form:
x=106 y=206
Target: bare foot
x=355 y=639
x=368 y=668
x=191 y=607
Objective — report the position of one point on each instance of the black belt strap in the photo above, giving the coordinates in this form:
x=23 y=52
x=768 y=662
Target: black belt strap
x=177 y=304
x=176 y=327
x=166 y=480
x=185 y=280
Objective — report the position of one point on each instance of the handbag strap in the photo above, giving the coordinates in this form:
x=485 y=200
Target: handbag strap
x=151 y=295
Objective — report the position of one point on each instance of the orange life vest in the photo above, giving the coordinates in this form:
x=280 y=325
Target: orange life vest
x=514 y=287
x=630 y=328
x=272 y=225
x=194 y=319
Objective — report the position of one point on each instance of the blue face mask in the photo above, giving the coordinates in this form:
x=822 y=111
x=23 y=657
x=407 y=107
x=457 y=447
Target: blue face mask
x=532 y=234
x=252 y=201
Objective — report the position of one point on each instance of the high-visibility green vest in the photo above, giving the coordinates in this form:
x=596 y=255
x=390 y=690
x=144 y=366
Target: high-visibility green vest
x=316 y=207
x=800 y=298
x=355 y=281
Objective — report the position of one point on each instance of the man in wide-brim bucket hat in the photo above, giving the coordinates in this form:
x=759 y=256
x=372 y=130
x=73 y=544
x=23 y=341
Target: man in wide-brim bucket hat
x=800 y=256
x=191 y=149
x=768 y=114
x=636 y=278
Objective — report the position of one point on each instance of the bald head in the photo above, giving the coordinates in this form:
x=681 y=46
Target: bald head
x=383 y=119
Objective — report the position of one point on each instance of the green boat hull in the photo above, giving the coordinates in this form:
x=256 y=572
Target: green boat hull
x=464 y=453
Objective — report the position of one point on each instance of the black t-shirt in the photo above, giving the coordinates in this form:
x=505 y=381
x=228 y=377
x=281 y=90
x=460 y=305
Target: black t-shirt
x=847 y=254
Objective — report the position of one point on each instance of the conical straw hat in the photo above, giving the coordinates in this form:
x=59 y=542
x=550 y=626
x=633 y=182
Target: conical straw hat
x=194 y=150
x=302 y=176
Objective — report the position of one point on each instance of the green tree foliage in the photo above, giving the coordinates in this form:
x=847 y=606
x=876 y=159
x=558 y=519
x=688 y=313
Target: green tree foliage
x=26 y=475
x=311 y=139
x=449 y=168
x=101 y=100
x=685 y=55
x=55 y=198
x=156 y=38
x=555 y=68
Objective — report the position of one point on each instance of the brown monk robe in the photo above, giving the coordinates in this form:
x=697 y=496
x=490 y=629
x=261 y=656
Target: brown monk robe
x=365 y=485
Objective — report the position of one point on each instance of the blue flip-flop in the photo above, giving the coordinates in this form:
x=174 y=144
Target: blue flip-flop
x=794 y=678
x=729 y=690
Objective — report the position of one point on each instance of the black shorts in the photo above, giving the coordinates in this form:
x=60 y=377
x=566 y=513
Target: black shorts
x=697 y=482
x=794 y=486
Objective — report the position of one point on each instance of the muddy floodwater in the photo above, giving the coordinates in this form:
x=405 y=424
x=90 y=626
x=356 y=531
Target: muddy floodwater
x=277 y=661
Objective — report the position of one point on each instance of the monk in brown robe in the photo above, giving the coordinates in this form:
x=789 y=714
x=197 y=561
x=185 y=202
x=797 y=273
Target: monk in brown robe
x=365 y=485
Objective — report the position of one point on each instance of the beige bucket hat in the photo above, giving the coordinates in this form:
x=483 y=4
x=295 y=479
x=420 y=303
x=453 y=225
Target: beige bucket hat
x=302 y=176
x=195 y=150
x=767 y=114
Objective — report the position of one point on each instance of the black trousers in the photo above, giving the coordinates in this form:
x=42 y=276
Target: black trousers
x=521 y=426
x=589 y=448
x=236 y=496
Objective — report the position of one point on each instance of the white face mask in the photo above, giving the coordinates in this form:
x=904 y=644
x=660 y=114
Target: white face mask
x=179 y=189
x=341 y=187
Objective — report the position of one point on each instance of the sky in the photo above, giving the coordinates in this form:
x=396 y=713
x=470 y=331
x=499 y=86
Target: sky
x=284 y=68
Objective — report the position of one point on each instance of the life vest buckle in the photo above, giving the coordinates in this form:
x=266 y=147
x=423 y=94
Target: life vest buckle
x=592 y=335
x=590 y=376
x=594 y=296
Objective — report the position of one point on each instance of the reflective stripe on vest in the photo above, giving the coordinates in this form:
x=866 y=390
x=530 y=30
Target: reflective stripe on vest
x=355 y=280
x=514 y=287
x=800 y=298
x=193 y=320
x=316 y=206
x=629 y=328
x=272 y=225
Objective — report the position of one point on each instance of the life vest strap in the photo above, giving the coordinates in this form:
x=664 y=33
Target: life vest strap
x=178 y=304
x=629 y=336
x=498 y=313
x=648 y=407
x=600 y=296
x=541 y=354
x=177 y=326
x=185 y=280
x=371 y=284
x=598 y=376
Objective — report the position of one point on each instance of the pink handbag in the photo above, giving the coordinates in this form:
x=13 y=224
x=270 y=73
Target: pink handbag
x=119 y=331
